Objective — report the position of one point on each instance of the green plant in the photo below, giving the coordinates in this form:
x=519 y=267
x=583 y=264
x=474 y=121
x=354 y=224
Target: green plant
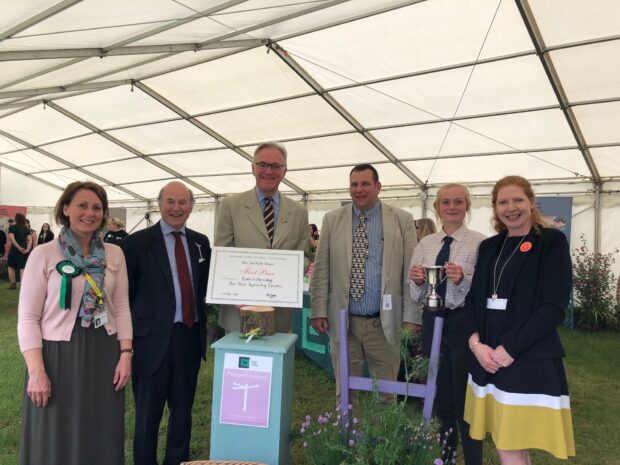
x=594 y=286
x=414 y=363
x=214 y=331
x=394 y=435
x=391 y=434
x=322 y=438
x=382 y=434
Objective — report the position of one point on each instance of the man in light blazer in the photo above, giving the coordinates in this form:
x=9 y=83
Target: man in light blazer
x=384 y=306
x=168 y=267
x=243 y=220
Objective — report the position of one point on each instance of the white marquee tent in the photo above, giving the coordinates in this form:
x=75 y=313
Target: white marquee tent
x=134 y=93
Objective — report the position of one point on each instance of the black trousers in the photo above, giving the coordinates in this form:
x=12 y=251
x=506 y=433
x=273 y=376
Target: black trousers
x=174 y=382
x=452 y=384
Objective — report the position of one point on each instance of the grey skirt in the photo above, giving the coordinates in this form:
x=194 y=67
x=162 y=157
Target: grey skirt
x=83 y=423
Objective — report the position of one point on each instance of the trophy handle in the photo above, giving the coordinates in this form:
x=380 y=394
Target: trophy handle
x=443 y=272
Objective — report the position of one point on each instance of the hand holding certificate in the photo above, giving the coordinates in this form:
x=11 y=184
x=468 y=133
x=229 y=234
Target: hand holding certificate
x=256 y=277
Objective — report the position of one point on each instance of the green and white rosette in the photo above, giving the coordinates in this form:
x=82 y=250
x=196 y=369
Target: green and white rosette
x=68 y=271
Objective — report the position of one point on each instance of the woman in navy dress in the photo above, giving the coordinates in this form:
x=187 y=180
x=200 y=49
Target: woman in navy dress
x=517 y=388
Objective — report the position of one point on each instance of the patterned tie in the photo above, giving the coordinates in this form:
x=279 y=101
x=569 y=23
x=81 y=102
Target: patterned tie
x=185 y=283
x=442 y=257
x=269 y=217
x=360 y=254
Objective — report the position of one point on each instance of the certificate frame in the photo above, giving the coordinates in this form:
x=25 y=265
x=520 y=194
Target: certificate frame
x=267 y=277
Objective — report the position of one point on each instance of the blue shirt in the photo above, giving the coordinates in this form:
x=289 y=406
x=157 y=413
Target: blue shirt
x=170 y=241
x=370 y=302
x=275 y=199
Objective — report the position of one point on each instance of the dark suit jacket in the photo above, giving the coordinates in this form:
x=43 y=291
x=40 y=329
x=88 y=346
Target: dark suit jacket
x=151 y=293
x=538 y=298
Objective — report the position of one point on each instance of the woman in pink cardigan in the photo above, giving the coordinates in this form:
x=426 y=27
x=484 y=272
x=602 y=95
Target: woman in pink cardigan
x=74 y=330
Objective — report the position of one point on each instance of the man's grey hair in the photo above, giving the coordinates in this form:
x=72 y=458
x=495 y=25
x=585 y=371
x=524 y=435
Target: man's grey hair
x=160 y=196
x=271 y=145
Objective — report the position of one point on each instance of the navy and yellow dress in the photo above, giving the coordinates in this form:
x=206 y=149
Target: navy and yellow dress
x=525 y=405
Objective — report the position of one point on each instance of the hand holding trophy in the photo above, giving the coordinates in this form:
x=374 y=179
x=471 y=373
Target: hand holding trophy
x=435 y=275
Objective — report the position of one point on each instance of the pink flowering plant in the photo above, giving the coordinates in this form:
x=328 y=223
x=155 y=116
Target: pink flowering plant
x=323 y=440
x=593 y=284
x=380 y=433
x=395 y=435
x=391 y=434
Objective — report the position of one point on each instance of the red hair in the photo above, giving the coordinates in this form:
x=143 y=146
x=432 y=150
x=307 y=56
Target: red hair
x=526 y=187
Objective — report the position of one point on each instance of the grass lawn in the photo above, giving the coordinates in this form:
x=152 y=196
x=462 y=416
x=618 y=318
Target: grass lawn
x=592 y=362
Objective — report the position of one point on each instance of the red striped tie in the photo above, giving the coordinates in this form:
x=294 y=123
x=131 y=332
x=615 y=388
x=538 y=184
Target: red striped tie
x=269 y=216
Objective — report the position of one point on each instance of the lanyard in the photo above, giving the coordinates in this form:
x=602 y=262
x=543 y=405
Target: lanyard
x=95 y=288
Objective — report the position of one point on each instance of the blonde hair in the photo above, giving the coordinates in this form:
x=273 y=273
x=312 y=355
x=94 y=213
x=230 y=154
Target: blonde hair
x=450 y=186
x=117 y=222
x=522 y=183
x=425 y=226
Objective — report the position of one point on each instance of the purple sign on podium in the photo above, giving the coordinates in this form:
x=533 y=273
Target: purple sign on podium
x=246 y=390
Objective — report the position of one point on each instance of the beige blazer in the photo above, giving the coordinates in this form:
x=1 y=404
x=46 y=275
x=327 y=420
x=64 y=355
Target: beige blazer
x=240 y=223
x=329 y=286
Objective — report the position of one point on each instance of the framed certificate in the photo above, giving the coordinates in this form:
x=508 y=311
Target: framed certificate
x=239 y=276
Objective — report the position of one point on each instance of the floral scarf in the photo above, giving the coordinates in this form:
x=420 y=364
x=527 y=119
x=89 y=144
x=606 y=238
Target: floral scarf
x=94 y=265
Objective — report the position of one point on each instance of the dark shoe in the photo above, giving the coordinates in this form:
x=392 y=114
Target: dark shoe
x=12 y=286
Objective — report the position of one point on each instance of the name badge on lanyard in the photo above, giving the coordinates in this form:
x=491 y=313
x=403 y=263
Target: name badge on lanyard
x=497 y=304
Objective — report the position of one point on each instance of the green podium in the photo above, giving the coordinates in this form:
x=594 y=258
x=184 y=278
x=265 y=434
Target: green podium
x=252 y=398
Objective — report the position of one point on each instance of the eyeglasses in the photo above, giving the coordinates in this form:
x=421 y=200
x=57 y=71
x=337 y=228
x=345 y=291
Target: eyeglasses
x=274 y=166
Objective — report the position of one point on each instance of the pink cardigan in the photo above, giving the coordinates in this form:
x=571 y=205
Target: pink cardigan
x=39 y=314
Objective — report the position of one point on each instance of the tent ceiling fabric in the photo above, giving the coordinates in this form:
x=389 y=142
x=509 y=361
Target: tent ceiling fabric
x=134 y=94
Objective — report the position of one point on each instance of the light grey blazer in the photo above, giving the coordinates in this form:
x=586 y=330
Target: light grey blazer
x=240 y=223
x=332 y=267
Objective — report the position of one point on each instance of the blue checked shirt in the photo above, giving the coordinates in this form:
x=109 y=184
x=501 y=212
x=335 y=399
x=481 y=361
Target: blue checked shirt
x=370 y=302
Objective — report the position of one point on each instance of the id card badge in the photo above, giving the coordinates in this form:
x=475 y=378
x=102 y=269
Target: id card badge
x=101 y=319
x=387 y=302
x=497 y=304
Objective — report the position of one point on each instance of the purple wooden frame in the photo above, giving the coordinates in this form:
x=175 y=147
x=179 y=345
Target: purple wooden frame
x=425 y=391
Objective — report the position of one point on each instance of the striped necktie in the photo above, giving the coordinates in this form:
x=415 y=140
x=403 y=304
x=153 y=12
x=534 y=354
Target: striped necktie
x=360 y=254
x=269 y=217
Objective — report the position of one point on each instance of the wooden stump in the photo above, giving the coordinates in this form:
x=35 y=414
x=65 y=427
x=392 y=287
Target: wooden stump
x=253 y=317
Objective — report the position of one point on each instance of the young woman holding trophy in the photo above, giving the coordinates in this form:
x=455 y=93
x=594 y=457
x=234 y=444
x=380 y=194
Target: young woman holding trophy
x=517 y=388
x=441 y=270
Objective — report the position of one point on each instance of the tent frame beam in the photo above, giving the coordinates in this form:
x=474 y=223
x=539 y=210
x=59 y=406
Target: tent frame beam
x=547 y=63
x=173 y=24
x=30 y=175
x=70 y=165
x=127 y=147
x=48 y=13
x=126 y=51
x=332 y=102
x=135 y=38
x=556 y=84
x=203 y=127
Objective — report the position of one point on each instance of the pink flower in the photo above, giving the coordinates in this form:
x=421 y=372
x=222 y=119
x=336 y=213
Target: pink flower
x=352 y=443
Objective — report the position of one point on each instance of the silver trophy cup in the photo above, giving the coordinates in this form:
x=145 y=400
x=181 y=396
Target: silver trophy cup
x=434 y=276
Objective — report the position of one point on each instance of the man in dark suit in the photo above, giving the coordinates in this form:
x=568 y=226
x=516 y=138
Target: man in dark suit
x=168 y=266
